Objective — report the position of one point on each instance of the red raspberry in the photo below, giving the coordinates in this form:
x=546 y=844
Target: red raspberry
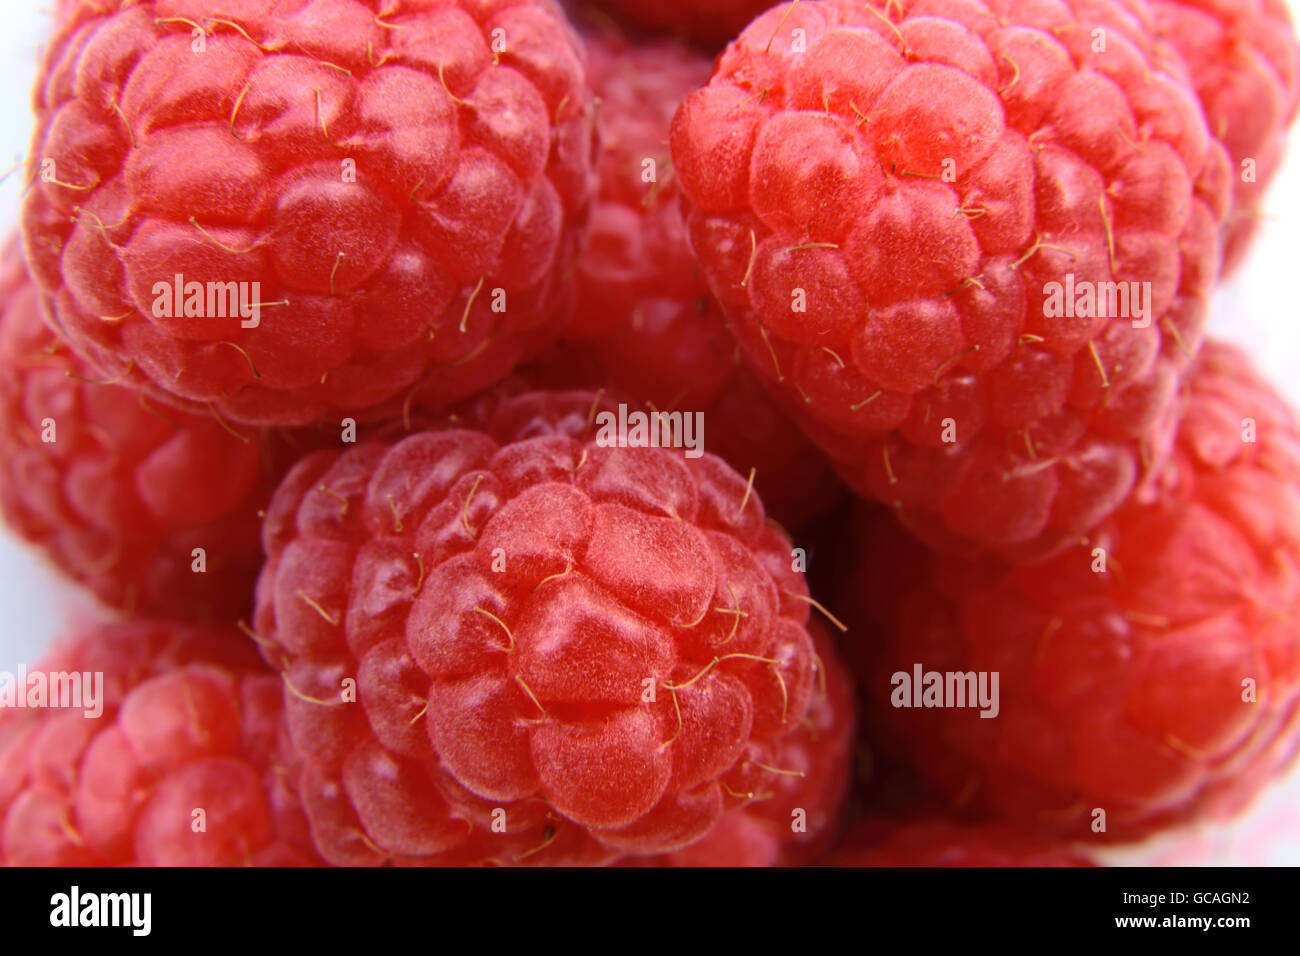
x=710 y=21
x=646 y=323
x=1152 y=672
x=637 y=248
x=119 y=492
x=1245 y=62
x=914 y=176
x=406 y=186
x=930 y=843
x=190 y=722
x=563 y=653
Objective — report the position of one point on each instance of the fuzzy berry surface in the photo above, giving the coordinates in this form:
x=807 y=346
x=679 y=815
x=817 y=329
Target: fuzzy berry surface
x=1152 y=672
x=882 y=196
x=118 y=490
x=646 y=323
x=400 y=187
x=190 y=721
x=797 y=816
x=512 y=645
x=1245 y=62
x=946 y=843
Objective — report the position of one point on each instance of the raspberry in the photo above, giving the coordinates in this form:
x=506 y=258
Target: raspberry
x=562 y=652
x=646 y=323
x=190 y=723
x=1152 y=673
x=401 y=192
x=637 y=248
x=1245 y=62
x=119 y=492
x=711 y=22
x=883 y=197
x=936 y=842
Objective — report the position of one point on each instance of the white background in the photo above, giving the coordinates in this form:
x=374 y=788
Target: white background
x=1257 y=310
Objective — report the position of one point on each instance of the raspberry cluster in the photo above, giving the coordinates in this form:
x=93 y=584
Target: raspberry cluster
x=426 y=387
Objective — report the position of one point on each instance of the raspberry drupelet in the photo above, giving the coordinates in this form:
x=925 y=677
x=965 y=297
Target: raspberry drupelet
x=795 y=819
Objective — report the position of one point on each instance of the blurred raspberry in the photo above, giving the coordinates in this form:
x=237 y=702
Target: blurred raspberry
x=637 y=250
x=562 y=652
x=179 y=769
x=708 y=22
x=930 y=843
x=646 y=323
x=1245 y=62
x=1152 y=673
x=892 y=200
x=119 y=491
x=400 y=192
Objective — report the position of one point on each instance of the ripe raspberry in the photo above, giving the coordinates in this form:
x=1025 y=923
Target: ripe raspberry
x=407 y=188
x=712 y=22
x=190 y=722
x=1245 y=62
x=563 y=653
x=646 y=323
x=119 y=492
x=882 y=196
x=930 y=843
x=1152 y=672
